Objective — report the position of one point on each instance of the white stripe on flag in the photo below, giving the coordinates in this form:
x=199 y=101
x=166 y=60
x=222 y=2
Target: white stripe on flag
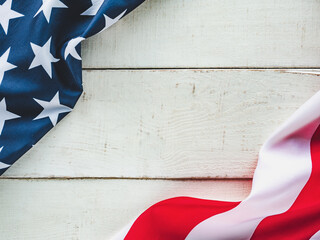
x=316 y=236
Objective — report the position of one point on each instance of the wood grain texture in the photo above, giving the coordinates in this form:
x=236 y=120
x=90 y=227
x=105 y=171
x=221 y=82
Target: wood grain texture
x=211 y=33
x=92 y=209
x=169 y=124
x=165 y=123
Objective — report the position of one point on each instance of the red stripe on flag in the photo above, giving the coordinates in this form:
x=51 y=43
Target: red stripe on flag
x=302 y=220
x=174 y=218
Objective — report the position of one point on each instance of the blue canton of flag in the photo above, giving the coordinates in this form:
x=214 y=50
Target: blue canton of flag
x=40 y=64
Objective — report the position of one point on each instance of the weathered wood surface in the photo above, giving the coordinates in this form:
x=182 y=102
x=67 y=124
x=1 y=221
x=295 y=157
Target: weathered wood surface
x=211 y=33
x=92 y=209
x=165 y=123
x=169 y=124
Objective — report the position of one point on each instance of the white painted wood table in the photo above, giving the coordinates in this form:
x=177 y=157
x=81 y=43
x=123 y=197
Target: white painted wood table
x=179 y=97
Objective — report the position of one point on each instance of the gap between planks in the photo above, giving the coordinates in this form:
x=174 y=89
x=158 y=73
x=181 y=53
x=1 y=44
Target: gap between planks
x=127 y=178
x=207 y=68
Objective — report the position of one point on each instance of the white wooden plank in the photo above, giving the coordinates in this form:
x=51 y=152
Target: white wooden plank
x=92 y=209
x=169 y=124
x=211 y=33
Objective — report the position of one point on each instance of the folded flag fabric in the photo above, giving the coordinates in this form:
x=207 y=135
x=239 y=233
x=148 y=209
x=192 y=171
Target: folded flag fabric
x=40 y=82
x=40 y=64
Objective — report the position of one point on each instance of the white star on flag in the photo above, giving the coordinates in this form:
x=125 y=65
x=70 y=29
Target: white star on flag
x=3 y=165
x=109 y=21
x=6 y=14
x=47 y=6
x=4 y=65
x=43 y=57
x=52 y=109
x=5 y=115
x=71 y=48
x=96 y=5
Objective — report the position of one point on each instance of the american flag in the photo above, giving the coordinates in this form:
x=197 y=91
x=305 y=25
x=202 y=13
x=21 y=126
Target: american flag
x=40 y=64
x=40 y=82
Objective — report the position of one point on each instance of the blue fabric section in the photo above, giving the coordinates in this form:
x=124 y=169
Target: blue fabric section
x=21 y=85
